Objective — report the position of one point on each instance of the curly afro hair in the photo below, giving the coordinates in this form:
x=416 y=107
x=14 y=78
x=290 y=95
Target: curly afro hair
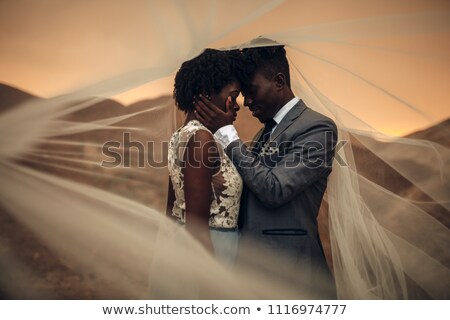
x=266 y=60
x=206 y=74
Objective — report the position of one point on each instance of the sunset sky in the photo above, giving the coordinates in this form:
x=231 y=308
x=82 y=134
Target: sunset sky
x=54 y=47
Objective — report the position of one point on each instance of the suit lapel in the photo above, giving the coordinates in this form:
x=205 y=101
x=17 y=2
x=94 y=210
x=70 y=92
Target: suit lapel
x=293 y=114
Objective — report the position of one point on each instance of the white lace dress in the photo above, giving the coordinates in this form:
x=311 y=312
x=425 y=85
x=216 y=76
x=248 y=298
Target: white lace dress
x=226 y=186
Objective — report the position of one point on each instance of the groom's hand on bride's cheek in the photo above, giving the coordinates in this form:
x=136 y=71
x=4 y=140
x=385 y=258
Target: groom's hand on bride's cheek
x=212 y=116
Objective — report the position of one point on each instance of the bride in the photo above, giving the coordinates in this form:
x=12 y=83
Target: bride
x=205 y=187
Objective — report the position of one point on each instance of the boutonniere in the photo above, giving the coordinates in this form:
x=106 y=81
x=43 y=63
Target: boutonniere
x=268 y=150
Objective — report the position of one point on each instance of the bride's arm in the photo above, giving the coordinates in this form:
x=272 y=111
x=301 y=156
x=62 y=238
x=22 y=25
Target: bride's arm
x=199 y=167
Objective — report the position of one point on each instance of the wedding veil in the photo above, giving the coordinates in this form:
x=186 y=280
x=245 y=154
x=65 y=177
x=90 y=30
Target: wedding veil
x=376 y=69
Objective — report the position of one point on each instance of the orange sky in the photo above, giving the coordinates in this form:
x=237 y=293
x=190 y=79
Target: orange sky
x=52 y=48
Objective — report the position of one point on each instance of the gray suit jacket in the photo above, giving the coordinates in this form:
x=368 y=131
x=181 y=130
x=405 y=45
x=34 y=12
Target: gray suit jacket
x=283 y=191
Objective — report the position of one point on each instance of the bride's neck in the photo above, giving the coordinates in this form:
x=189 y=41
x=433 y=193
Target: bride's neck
x=190 y=116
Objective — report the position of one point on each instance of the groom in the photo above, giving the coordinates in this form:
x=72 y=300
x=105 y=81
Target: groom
x=285 y=172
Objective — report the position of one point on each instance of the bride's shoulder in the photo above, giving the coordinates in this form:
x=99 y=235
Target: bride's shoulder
x=189 y=130
x=194 y=127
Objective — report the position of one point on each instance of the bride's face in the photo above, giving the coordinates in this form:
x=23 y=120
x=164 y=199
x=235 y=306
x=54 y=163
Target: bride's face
x=231 y=90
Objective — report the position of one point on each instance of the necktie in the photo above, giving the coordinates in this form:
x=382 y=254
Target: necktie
x=265 y=135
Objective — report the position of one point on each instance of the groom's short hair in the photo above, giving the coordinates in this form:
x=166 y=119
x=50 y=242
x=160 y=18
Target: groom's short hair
x=268 y=61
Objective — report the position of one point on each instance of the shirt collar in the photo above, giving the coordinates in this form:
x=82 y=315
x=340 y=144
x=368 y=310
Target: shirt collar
x=285 y=109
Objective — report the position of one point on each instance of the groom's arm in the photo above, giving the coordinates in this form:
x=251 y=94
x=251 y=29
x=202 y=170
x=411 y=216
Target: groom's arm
x=307 y=158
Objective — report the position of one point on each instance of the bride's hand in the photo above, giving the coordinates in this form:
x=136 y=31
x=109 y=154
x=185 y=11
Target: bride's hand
x=212 y=116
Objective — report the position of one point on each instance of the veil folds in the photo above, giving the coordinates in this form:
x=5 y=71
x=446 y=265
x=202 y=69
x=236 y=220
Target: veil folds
x=375 y=69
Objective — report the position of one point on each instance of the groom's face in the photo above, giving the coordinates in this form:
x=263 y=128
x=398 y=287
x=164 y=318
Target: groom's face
x=260 y=96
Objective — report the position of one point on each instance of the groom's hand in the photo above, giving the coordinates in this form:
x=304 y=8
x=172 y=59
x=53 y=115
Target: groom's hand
x=212 y=116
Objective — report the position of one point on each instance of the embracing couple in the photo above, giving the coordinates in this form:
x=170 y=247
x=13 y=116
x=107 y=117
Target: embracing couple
x=231 y=196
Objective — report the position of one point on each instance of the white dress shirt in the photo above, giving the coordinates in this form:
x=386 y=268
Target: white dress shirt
x=228 y=134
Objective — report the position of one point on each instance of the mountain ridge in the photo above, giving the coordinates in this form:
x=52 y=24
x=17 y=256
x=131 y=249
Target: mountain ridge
x=11 y=96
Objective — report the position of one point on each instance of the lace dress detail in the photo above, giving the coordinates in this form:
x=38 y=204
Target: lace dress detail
x=226 y=183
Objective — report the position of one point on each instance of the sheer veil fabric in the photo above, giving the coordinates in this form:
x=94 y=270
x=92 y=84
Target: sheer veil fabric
x=370 y=67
